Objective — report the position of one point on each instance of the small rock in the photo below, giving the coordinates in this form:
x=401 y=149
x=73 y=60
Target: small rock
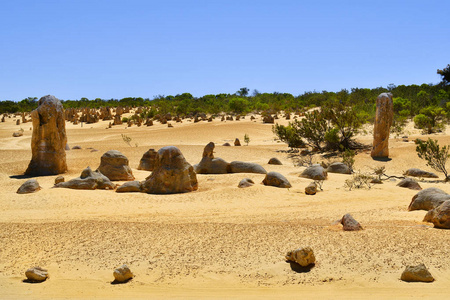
x=339 y=167
x=129 y=187
x=226 y=145
x=246 y=182
x=439 y=216
x=36 y=274
x=122 y=274
x=237 y=142
x=303 y=256
x=350 y=224
x=311 y=189
x=246 y=167
x=277 y=180
x=274 y=161
x=59 y=179
x=417 y=273
x=76 y=147
x=29 y=186
x=409 y=183
x=414 y=172
x=315 y=172
x=17 y=134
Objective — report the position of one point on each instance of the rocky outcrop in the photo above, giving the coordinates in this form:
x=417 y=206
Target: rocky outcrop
x=428 y=199
x=439 y=216
x=29 y=186
x=147 y=161
x=414 y=172
x=339 y=168
x=274 y=161
x=122 y=274
x=315 y=172
x=417 y=273
x=303 y=256
x=246 y=182
x=383 y=121
x=129 y=187
x=211 y=165
x=114 y=165
x=172 y=174
x=246 y=167
x=88 y=180
x=36 y=274
x=350 y=224
x=277 y=180
x=48 y=139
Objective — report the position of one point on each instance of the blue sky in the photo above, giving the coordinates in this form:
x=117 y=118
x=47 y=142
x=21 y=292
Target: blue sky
x=116 y=49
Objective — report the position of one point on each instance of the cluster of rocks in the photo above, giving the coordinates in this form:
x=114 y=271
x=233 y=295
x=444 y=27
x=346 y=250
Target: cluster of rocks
x=437 y=203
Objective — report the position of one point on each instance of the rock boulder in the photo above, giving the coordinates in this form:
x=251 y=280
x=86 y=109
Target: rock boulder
x=428 y=199
x=114 y=165
x=315 y=172
x=417 y=273
x=29 y=186
x=88 y=180
x=439 y=216
x=383 y=121
x=303 y=256
x=277 y=180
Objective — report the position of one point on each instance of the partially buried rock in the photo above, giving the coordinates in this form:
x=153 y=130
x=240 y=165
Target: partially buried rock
x=122 y=274
x=48 y=139
x=315 y=172
x=36 y=274
x=172 y=174
x=350 y=224
x=114 y=165
x=246 y=182
x=409 y=183
x=311 y=189
x=76 y=147
x=29 y=186
x=274 y=161
x=414 y=172
x=88 y=180
x=339 y=167
x=417 y=273
x=59 y=179
x=129 y=187
x=246 y=167
x=226 y=144
x=277 y=180
x=303 y=256
x=147 y=161
x=211 y=165
x=17 y=133
x=439 y=216
x=428 y=199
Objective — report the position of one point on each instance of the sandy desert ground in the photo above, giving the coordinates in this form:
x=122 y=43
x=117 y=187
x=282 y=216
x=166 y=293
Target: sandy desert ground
x=220 y=241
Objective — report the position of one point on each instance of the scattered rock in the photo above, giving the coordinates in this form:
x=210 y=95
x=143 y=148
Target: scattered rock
x=414 y=172
x=311 y=189
x=428 y=199
x=29 y=186
x=246 y=167
x=439 y=216
x=269 y=119
x=277 y=180
x=315 y=172
x=48 y=139
x=246 y=182
x=376 y=181
x=114 y=165
x=409 y=183
x=122 y=274
x=237 y=142
x=130 y=186
x=274 y=161
x=339 y=167
x=76 y=147
x=417 y=273
x=350 y=224
x=147 y=161
x=59 y=179
x=303 y=256
x=17 y=134
x=383 y=121
x=88 y=180
x=226 y=145
x=36 y=274
x=172 y=173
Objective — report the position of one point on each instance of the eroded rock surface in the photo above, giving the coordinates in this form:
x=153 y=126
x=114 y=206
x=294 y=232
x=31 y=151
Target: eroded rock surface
x=114 y=165
x=383 y=121
x=439 y=216
x=277 y=180
x=36 y=274
x=428 y=199
x=409 y=183
x=246 y=182
x=315 y=172
x=122 y=274
x=415 y=172
x=303 y=256
x=29 y=186
x=246 y=167
x=350 y=224
x=88 y=180
x=417 y=273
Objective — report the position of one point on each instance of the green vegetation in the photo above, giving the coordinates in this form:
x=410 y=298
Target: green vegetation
x=246 y=139
x=435 y=156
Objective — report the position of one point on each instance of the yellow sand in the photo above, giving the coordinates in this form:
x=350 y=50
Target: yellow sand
x=220 y=241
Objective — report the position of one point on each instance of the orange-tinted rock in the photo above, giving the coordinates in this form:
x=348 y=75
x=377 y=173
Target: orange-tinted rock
x=383 y=121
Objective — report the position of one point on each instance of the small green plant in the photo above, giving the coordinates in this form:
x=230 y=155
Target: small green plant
x=21 y=129
x=127 y=140
x=359 y=181
x=348 y=158
x=246 y=139
x=435 y=156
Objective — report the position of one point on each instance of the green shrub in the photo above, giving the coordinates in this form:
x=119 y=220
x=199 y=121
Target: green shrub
x=435 y=156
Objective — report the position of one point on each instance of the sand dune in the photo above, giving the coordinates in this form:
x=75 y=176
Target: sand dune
x=220 y=241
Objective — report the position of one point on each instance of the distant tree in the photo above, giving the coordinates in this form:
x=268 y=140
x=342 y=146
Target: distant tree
x=238 y=105
x=243 y=92
x=445 y=73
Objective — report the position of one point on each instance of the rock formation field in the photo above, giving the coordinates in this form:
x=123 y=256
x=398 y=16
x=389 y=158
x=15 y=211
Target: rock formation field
x=218 y=241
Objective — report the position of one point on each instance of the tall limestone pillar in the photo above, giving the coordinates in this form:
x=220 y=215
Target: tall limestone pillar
x=383 y=122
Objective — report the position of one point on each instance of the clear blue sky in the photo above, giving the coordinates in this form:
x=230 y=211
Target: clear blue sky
x=115 y=49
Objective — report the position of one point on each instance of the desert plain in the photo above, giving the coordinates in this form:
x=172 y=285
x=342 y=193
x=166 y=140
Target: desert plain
x=221 y=241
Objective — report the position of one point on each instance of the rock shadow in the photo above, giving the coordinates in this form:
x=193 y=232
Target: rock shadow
x=22 y=176
x=296 y=267
x=385 y=159
x=114 y=282
x=32 y=281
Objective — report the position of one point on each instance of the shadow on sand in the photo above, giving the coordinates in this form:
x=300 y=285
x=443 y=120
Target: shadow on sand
x=385 y=159
x=120 y=282
x=299 y=268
